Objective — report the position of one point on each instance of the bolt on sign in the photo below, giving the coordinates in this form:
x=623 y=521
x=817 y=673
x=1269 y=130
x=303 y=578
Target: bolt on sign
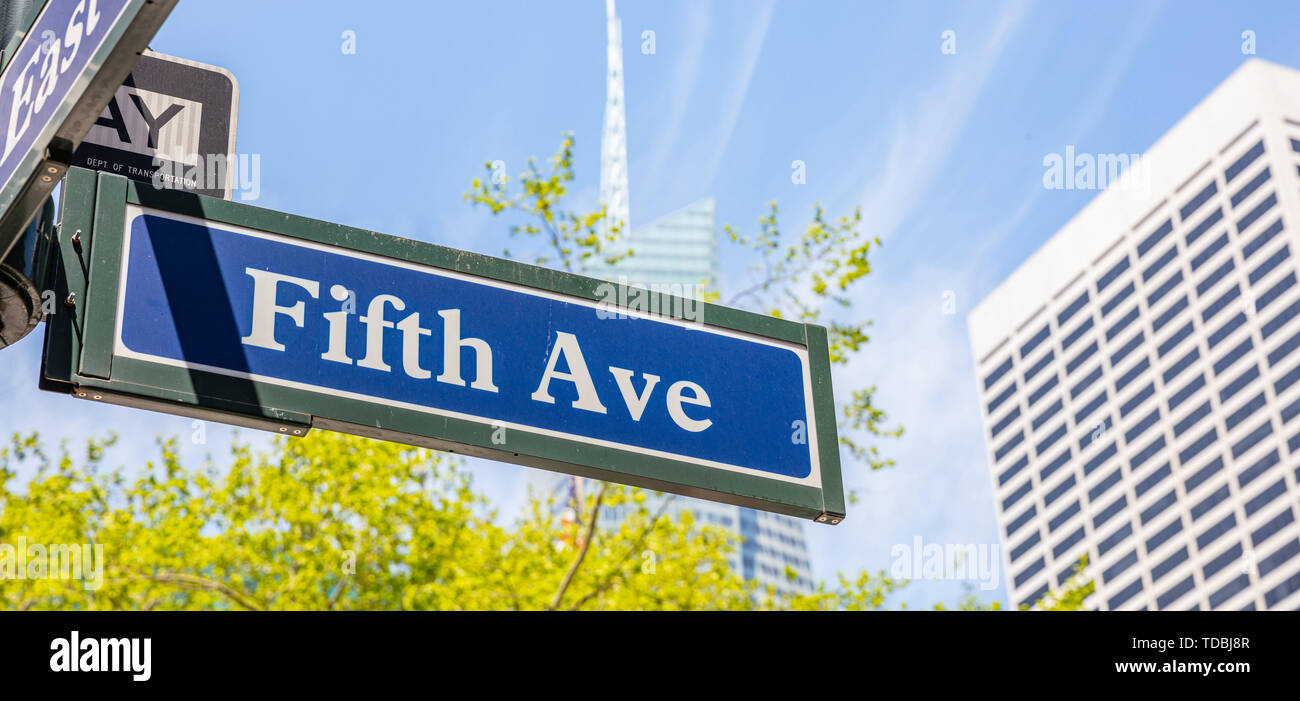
x=214 y=309
x=57 y=79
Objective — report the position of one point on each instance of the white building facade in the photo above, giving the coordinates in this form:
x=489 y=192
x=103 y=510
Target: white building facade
x=1139 y=375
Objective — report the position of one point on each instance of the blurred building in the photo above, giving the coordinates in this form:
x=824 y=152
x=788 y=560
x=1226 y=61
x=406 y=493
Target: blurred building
x=1139 y=375
x=677 y=249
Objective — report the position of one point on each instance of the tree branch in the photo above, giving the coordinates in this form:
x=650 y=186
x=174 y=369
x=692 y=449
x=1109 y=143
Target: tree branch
x=200 y=583
x=338 y=591
x=618 y=569
x=582 y=552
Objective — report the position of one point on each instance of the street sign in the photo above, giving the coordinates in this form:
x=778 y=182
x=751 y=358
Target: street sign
x=55 y=83
x=173 y=115
x=203 y=307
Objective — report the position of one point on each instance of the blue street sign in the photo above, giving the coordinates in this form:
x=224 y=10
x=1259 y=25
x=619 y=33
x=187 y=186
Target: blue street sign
x=392 y=338
x=247 y=304
x=55 y=83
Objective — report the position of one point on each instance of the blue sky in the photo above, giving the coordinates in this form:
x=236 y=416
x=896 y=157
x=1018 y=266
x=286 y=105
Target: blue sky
x=943 y=152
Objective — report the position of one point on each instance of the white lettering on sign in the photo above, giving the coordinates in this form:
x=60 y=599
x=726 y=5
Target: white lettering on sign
x=51 y=61
x=635 y=404
x=697 y=397
x=264 y=307
x=564 y=363
x=375 y=325
x=566 y=346
x=452 y=343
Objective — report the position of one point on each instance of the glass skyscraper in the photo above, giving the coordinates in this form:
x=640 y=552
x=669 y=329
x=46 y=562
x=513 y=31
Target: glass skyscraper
x=677 y=249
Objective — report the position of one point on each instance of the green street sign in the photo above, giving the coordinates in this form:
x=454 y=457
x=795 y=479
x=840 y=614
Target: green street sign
x=201 y=307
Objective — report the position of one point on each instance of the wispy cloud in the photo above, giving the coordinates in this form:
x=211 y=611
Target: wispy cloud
x=1097 y=105
x=1116 y=67
x=735 y=98
x=924 y=132
x=686 y=73
x=940 y=489
x=919 y=352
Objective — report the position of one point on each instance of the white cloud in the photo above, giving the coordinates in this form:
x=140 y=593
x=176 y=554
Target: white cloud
x=1116 y=67
x=1097 y=105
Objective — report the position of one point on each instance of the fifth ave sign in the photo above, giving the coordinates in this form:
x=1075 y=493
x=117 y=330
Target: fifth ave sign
x=227 y=307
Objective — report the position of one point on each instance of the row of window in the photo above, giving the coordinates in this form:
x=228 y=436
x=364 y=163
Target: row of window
x=1161 y=291
x=1220 y=365
x=1265 y=566
x=1147 y=244
x=1161 y=231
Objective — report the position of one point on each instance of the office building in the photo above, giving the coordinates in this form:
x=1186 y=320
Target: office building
x=1139 y=375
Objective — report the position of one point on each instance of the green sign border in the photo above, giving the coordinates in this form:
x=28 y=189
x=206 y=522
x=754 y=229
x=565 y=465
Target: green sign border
x=79 y=356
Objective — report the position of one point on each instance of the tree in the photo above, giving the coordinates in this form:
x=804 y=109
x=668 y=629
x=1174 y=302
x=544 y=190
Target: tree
x=332 y=521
